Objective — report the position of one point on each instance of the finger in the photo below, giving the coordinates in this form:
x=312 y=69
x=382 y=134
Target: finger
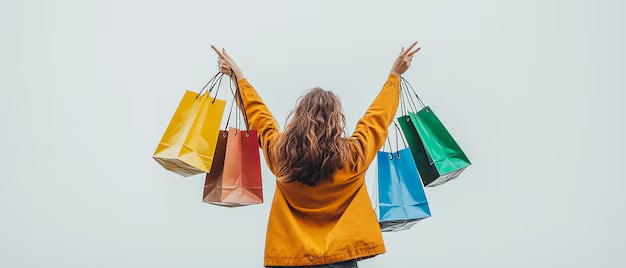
x=401 y=51
x=218 y=52
x=411 y=47
x=411 y=54
x=226 y=54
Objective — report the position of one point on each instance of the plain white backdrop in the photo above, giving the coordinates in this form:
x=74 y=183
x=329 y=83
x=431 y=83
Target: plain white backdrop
x=532 y=90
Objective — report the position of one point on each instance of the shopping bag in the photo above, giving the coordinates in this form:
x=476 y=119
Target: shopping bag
x=399 y=191
x=235 y=180
x=214 y=179
x=437 y=155
x=188 y=144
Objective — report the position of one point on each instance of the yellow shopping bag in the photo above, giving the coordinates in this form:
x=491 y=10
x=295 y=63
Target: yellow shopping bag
x=188 y=144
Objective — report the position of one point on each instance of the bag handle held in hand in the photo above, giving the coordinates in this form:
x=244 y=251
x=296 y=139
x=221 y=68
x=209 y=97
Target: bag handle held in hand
x=228 y=120
x=215 y=80
x=390 y=148
x=406 y=86
x=239 y=100
x=398 y=133
x=405 y=98
x=207 y=84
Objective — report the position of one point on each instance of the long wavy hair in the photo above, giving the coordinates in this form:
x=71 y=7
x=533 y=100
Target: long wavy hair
x=313 y=144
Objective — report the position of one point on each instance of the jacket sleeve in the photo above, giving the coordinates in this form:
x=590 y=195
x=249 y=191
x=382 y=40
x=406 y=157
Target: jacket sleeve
x=372 y=129
x=260 y=119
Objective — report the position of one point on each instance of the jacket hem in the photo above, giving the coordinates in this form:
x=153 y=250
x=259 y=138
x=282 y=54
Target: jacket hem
x=345 y=255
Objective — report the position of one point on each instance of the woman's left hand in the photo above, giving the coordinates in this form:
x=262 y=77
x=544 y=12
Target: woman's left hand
x=226 y=64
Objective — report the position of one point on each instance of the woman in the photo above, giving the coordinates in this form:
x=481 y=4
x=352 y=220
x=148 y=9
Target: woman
x=321 y=214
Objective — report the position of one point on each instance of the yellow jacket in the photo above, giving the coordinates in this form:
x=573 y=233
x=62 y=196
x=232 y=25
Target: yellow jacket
x=334 y=221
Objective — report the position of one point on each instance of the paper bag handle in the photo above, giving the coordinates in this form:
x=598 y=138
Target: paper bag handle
x=216 y=80
x=404 y=84
x=239 y=99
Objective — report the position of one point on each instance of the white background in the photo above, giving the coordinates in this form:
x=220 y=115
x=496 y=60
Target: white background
x=532 y=90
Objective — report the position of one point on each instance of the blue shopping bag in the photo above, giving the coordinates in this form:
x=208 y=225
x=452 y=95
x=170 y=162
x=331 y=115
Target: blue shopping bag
x=401 y=200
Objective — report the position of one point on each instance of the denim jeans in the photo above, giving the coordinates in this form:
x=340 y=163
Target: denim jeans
x=345 y=264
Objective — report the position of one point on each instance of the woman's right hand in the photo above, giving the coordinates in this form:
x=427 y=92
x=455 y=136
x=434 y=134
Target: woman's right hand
x=403 y=62
x=227 y=65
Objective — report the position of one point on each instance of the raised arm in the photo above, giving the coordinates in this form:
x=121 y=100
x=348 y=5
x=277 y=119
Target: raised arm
x=371 y=130
x=259 y=116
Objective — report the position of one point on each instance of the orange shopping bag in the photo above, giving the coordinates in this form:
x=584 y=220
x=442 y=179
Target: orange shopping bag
x=235 y=178
x=188 y=144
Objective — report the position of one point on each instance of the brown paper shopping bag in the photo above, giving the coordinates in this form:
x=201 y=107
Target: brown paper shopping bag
x=188 y=144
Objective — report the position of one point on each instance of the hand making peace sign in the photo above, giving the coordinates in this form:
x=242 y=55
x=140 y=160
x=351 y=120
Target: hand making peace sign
x=403 y=62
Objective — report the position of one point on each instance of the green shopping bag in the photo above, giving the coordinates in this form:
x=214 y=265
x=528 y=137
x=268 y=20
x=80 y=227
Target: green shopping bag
x=437 y=155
